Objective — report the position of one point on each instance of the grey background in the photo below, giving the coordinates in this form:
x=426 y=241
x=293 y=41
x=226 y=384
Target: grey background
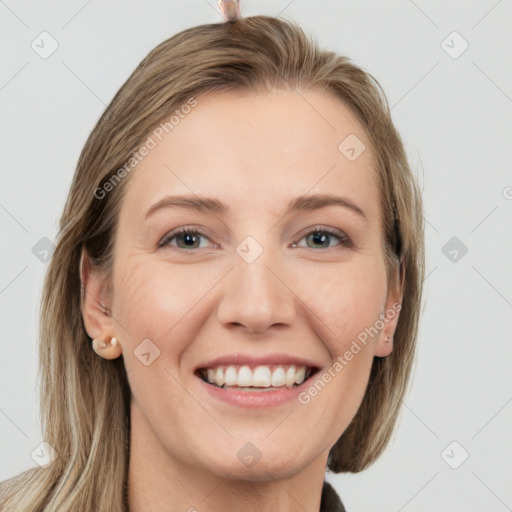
x=454 y=115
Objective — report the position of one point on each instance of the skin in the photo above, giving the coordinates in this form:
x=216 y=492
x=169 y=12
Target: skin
x=255 y=152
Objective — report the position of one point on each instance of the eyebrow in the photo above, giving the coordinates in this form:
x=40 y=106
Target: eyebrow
x=210 y=204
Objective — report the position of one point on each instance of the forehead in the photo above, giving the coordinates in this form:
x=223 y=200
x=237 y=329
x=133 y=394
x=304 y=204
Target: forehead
x=259 y=150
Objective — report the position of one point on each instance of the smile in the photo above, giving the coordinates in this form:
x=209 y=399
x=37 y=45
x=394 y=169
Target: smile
x=256 y=378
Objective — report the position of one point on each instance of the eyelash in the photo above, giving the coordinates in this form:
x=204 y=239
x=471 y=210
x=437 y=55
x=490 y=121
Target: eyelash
x=342 y=237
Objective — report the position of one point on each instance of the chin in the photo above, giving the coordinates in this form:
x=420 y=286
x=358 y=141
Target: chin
x=252 y=465
x=265 y=471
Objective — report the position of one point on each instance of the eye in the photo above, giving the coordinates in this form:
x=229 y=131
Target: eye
x=321 y=237
x=187 y=236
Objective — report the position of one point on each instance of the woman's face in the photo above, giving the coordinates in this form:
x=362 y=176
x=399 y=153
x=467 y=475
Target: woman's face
x=255 y=291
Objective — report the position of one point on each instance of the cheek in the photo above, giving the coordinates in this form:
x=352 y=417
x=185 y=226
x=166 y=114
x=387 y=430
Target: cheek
x=349 y=302
x=154 y=309
x=140 y=300
x=350 y=306
x=154 y=300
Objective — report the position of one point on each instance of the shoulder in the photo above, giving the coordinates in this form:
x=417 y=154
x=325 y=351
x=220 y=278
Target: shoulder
x=330 y=502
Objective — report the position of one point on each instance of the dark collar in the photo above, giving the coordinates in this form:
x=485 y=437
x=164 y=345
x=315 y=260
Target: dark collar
x=330 y=500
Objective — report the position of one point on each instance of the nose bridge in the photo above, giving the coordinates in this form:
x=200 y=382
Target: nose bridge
x=253 y=294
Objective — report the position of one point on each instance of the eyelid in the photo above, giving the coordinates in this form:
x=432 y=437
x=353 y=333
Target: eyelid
x=184 y=229
x=344 y=239
x=338 y=233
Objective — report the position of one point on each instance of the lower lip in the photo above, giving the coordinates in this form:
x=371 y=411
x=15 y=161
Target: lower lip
x=255 y=399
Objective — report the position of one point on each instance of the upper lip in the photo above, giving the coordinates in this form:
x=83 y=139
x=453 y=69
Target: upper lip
x=259 y=360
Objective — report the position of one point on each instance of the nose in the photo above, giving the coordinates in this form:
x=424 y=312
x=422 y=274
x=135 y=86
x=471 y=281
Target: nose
x=257 y=296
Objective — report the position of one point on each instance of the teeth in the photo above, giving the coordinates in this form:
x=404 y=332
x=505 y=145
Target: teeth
x=245 y=378
x=290 y=376
x=300 y=375
x=262 y=376
x=231 y=378
x=219 y=376
x=278 y=377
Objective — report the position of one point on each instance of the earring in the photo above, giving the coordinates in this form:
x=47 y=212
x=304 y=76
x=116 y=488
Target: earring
x=108 y=350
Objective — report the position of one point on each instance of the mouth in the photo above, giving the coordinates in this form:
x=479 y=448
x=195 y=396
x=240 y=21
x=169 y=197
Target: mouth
x=256 y=378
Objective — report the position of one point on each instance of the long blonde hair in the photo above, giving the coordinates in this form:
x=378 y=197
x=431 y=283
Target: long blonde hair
x=85 y=399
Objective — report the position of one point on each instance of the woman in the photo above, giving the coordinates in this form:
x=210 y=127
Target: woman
x=233 y=300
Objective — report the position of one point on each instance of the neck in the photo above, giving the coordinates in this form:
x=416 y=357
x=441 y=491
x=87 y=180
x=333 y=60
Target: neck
x=157 y=480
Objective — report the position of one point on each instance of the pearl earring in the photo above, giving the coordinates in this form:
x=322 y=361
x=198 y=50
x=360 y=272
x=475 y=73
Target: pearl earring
x=99 y=345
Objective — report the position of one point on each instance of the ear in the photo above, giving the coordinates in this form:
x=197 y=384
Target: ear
x=390 y=314
x=94 y=299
